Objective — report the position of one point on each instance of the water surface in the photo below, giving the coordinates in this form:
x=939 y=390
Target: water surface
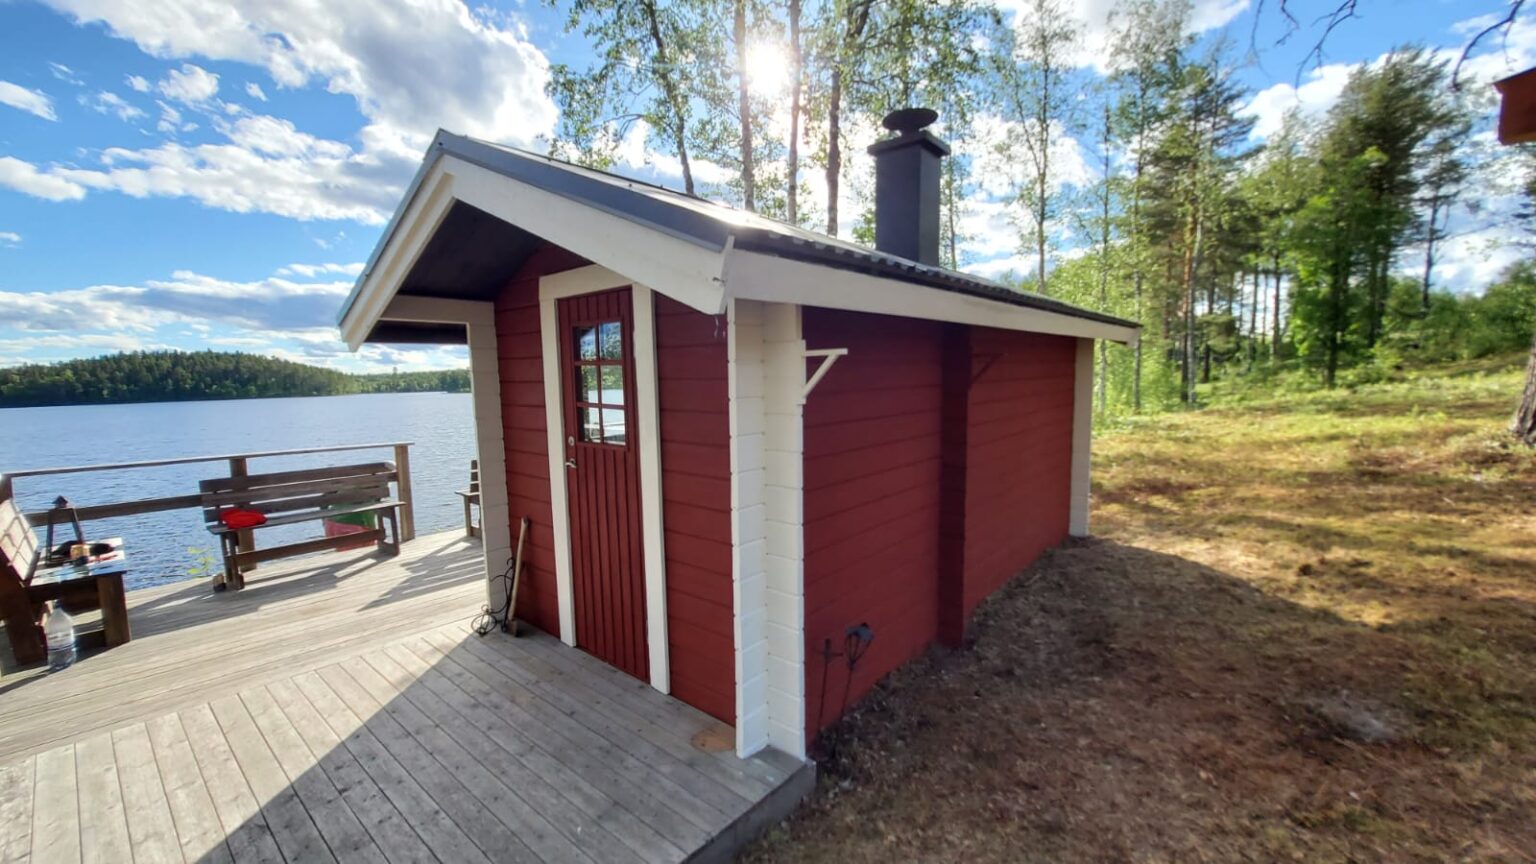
x=440 y=425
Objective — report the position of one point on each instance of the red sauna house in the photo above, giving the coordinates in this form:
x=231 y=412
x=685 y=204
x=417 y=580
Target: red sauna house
x=741 y=445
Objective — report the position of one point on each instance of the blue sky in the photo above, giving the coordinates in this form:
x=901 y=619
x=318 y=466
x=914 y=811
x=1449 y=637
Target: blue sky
x=192 y=173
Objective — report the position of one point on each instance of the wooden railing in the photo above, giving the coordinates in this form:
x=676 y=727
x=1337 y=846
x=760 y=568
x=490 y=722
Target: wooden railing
x=239 y=466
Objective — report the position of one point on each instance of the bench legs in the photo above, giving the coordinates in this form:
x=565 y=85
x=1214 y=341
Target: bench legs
x=233 y=580
x=394 y=532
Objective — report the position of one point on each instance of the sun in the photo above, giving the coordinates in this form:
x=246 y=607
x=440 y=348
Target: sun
x=767 y=69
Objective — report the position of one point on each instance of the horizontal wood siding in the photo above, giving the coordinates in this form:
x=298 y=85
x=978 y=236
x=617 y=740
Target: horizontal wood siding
x=696 y=505
x=1019 y=454
x=872 y=472
x=518 y=347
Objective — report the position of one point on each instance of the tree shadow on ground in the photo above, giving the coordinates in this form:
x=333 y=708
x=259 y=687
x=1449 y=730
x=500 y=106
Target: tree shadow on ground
x=1119 y=703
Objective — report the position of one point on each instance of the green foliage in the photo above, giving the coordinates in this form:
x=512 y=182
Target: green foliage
x=179 y=376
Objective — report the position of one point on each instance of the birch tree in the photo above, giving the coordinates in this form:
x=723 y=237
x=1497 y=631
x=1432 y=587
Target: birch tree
x=1034 y=69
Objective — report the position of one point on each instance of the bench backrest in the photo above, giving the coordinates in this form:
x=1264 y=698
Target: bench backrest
x=18 y=544
x=474 y=475
x=295 y=491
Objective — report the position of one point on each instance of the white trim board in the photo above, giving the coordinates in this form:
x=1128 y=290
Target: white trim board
x=755 y=276
x=766 y=380
x=572 y=283
x=1082 y=439
x=479 y=320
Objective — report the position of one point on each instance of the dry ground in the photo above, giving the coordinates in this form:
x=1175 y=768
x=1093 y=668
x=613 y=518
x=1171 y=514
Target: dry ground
x=1305 y=631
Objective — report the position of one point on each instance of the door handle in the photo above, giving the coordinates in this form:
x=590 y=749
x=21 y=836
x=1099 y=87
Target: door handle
x=570 y=463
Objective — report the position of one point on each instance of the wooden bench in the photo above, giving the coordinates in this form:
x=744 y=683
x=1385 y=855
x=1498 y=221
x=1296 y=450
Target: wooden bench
x=292 y=497
x=471 y=498
x=25 y=585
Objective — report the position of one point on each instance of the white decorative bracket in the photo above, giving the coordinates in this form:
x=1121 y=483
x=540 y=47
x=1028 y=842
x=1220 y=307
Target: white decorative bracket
x=828 y=357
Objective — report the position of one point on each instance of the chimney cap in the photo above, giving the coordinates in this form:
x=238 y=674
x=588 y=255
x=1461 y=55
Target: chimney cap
x=906 y=121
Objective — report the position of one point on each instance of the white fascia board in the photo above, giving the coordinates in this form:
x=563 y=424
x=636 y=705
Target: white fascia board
x=756 y=276
x=419 y=221
x=681 y=269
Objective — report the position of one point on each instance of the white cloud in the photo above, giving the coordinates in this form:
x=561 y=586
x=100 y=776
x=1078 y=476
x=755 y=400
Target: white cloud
x=1312 y=99
x=107 y=102
x=191 y=84
x=267 y=166
x=25 y=178
x=137 y=83
x=274 y=303
x=1093 y=16
x=31 y=101
x=65 y=74
x=10 y=238
x=253 y=90
x=633 y=151
x=313 y=270
x=388 y=56
x=1499 y=55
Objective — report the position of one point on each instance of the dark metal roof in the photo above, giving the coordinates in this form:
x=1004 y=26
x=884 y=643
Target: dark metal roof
x=686 y=217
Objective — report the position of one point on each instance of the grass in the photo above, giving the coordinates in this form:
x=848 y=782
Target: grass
x=1305 y=630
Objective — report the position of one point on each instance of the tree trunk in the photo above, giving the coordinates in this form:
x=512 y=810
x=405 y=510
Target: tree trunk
x=834 y=147
x=1192 y=231
x=1524 y=425
x=858 y=17
x=792 y=194
x=1429 y=254
x=1335 y=314
x=1253 y=322
x=679 y=124
x=1274 y=344
x=744 y=106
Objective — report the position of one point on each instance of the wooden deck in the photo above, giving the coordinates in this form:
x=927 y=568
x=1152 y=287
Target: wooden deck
x=339 y=709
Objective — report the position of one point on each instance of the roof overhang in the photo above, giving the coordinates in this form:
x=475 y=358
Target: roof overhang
x=702 y=269
x=690 y=272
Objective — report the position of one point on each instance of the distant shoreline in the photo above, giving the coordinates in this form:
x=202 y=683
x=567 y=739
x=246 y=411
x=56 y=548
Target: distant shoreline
x=195 y=399
x=143 y=377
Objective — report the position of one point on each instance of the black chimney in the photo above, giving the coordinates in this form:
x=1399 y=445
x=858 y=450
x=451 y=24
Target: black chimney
x=907 y=186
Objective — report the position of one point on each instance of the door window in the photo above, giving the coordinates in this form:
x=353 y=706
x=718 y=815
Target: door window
x=599 y=369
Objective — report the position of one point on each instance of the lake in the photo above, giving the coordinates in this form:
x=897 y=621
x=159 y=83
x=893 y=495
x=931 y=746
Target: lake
x=439 y=425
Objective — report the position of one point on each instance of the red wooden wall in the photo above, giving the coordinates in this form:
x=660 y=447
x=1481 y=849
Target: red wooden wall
x=519 y=355
x=696 y=505
x=872 y=460
x=1018 y=454
x=937 y=466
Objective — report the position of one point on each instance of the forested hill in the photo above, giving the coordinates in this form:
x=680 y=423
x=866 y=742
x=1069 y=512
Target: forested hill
x=178 y=376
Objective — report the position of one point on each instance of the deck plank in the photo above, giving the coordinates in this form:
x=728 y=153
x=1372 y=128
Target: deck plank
x=197 y=823
x=296 y=835
x=246 y=832
x=502 y=746
x=447 y=840
x=389 y=829
x=594 y=726
x=488 y=832
x=348 y=840
x=16 y=810
x=682 y=819
x=577 y=836
x=150 y=824
x=56 y=814
x=338 y=709
x=104 y=831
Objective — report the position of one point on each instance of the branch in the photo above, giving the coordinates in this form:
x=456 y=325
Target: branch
x=1503 y=24
x=1341 y=13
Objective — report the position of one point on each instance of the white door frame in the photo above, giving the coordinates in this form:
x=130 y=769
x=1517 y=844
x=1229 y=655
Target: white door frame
x=573 y=283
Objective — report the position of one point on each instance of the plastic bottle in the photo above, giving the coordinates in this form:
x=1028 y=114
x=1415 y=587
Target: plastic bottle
x=60 y=631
